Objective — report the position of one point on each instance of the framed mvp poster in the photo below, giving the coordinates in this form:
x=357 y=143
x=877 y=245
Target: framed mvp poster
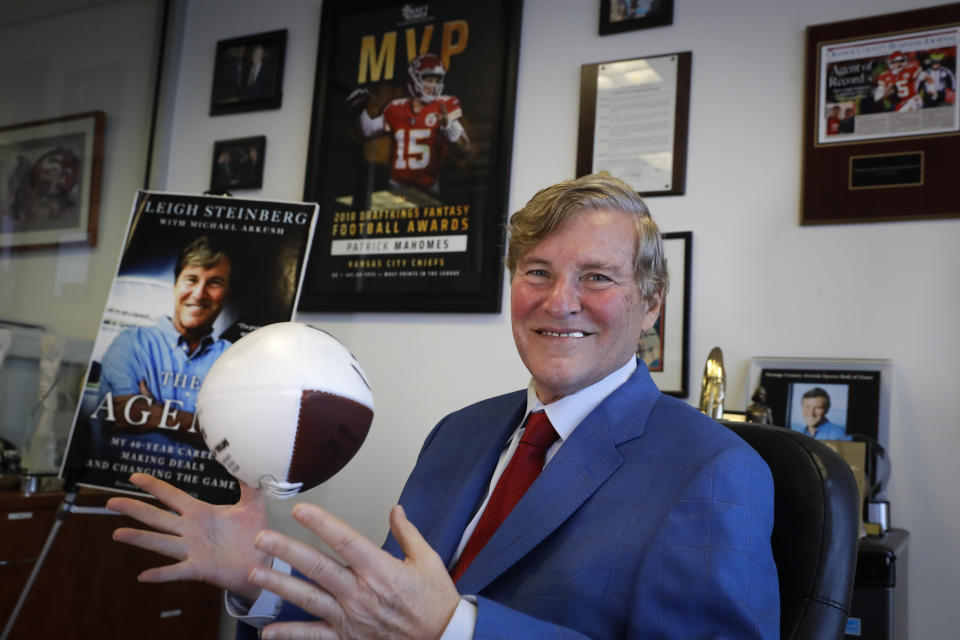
x=409 y=155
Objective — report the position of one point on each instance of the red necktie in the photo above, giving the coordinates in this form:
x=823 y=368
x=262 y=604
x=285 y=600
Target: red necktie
x=524 y=467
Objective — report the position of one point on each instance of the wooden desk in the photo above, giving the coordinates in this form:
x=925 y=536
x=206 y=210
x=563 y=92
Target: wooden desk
x=87 y=587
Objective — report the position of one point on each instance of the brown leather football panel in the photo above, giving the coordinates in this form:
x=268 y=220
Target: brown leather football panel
x=329 y=433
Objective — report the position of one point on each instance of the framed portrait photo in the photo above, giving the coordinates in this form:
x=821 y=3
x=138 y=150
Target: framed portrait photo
x=50 y=172
x=881 y=118
x=617 y=16
x=829 y=399
x=237 y=164
x=409 y=155
x=664 y=348
x=248 y=73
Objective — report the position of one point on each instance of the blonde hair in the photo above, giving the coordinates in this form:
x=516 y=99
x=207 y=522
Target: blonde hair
x=551 y=207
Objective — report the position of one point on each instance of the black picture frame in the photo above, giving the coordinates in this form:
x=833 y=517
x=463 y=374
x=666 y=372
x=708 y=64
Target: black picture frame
x=605 y=113
x=665 y=348
x=859 y=391
x=617 y=16
x=237 y=164
x=236 y=85
x=877 y=145
x=383 y=243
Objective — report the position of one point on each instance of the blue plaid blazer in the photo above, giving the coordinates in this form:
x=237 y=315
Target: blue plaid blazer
x=651 y=521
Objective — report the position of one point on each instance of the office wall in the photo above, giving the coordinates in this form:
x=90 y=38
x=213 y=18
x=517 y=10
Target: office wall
x=761 y=284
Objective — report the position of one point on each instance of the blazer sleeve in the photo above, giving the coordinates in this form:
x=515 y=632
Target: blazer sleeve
x=712 y=573
x=497 y=622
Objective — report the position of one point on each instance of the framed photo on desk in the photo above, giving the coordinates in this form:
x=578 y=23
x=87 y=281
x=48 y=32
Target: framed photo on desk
x=853 y=394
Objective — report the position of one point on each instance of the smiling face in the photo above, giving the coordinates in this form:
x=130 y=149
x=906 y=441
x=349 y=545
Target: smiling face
x=199 y=297
x=577 y=312
x=814 y=410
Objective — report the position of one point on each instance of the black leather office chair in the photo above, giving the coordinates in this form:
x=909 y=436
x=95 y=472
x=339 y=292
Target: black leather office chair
x=815 y=530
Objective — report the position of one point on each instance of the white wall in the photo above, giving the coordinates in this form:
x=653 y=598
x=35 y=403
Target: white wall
x=762 y=285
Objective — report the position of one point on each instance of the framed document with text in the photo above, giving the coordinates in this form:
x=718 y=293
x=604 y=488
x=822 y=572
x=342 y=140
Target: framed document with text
x=882 y=121
x=633 y=121
x=409 y=155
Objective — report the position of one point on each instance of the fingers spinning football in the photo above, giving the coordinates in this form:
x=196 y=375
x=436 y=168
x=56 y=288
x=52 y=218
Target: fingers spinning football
x=285 y=408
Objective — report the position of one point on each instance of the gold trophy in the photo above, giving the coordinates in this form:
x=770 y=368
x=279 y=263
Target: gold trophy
x=714 y=385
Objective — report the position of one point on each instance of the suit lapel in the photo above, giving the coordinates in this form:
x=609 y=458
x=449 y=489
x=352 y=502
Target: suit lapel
x=464 y=492
x=582 y=464
x=570 y=478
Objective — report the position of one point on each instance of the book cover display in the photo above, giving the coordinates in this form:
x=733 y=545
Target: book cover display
x=196 y=274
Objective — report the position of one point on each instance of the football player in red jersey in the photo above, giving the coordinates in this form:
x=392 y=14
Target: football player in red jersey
x=423 y=126
x=897 y=87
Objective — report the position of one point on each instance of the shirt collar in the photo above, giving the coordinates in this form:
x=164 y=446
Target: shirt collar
x=569 y=411
x=175 y=339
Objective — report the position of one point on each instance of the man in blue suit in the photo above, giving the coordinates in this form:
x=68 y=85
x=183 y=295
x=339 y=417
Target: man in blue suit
x=648 y=519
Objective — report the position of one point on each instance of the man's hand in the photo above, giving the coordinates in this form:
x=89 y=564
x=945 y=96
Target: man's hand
x=213 y=543
x=375 y=596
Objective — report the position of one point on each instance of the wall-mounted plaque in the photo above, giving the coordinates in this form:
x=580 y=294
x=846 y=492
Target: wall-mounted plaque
x=633 y=121
x=882 y=121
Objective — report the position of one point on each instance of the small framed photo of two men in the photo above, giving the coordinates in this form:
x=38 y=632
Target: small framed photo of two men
x=828 y=399
x=237 y=164
x=248 y=73
x=617 y=16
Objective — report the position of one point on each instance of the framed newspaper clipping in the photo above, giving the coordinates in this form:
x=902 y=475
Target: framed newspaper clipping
x=196 y=274
x=882 y=121
x=409 y=155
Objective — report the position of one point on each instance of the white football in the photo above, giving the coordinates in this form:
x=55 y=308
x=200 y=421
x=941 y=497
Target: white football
x=285 y=408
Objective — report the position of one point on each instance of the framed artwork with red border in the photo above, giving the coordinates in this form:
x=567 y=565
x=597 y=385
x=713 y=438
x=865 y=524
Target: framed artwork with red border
x=50 y=172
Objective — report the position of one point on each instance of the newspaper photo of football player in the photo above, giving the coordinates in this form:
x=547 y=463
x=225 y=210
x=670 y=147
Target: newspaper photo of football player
x=873 y=88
